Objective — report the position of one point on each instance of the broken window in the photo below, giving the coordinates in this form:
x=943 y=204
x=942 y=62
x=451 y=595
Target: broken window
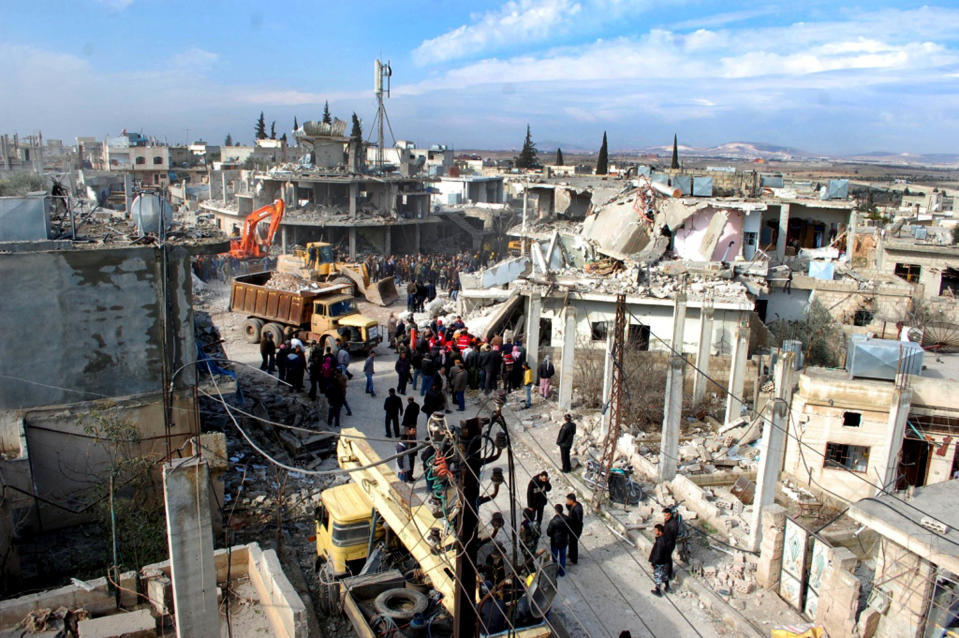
x=949 y=283
x=851 y=419
x=598 y=330
x=849 y=457
x=863 y=317
x=638 y=336
x=909 y=272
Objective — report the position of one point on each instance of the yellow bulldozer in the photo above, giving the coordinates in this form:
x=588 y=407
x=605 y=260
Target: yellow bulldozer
x=316 y=263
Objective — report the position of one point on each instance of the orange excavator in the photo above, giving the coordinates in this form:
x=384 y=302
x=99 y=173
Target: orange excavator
x=249 y=245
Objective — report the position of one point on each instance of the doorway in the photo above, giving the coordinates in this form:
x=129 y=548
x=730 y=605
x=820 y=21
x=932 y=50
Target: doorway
x=913 y=463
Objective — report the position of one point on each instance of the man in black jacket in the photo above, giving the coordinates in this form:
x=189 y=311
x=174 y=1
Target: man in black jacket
x=670 y=533
x=558 y=532
x=268 y=352
x=412 y=413
x=574 y=514
x=536 y=495
x=565 y=441
x=659 y=559
x=393 y=406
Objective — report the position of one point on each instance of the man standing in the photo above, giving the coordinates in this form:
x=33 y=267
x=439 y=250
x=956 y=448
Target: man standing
x=536 y=497
x=546 y=372
x=412 y=413
x=410 y=437
x=528 y=385
x=458 y=380
x=670 y=533
x=574 y=514
x=268 y=353
x=558 y=532
x=565 y=441
x=402 y=368
x=343 y=358
x=368 y=371
x=336 y=395
x=393 y=406
x=659 y=559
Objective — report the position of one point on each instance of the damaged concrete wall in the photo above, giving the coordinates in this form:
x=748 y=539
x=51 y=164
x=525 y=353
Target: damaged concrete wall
x=88 y=323
x=710 y=235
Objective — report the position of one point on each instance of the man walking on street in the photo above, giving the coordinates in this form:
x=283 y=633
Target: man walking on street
x=268 y=352
x=402 y=368
x=412 y=413
x=393 y=406
x=458 y=381
x=558 y=532
x=574 y=514
x=536 y=497
x=343 y=359
x=368 y=371
x=565 y=441
x=659 y=559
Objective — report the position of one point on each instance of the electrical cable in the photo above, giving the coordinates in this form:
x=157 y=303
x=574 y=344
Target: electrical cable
x=786 y=431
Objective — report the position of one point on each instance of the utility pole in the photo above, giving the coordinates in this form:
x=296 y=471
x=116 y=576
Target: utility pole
x=615 y=400
x=470 y=444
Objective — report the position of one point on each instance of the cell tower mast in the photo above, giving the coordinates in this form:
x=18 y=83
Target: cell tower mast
x=381 y=83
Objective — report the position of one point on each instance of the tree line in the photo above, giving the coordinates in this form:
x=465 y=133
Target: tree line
x=529 y=156
x=260 y=130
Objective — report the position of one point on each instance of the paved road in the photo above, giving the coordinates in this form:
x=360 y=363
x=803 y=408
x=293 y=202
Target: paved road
x=607 y=592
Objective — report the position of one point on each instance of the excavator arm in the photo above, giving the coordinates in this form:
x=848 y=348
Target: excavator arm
x=246 y=246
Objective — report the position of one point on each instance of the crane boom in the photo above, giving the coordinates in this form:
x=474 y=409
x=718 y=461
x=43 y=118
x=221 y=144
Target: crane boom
x=247 y=246
x=402 y=511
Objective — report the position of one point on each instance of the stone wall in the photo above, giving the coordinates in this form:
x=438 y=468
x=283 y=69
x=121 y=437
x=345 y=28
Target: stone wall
x=905 y=581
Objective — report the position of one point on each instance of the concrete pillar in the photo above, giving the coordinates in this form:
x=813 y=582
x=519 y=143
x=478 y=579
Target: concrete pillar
x=534 y=308
x=354 y=195
x=770 y=564
x=851 y=235
x=387 y=241
x=783 y=231
x=888 y=468
x=607 y=384
x=679 y=322
x=737 y=374
x=700 y=380
x=283 y=239
x=186 y=490
x=352 y=235
x=128 y=193
x=672 y=416
x=772 y=446
x=566 y=365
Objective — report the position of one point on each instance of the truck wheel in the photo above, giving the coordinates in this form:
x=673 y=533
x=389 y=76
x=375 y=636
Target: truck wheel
x=329 y=591
x=253 y=328
x=276 y=330
x=400 y=603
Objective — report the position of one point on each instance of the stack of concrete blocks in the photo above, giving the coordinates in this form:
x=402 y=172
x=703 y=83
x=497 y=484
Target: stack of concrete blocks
x=771 y=548
x=839 y=594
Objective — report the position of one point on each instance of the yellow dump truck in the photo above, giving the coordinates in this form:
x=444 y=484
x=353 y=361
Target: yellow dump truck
x=383 y=557
x=322 y=315
x=315 y=262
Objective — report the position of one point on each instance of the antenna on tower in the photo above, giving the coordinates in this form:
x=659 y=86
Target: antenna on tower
x=381 y=77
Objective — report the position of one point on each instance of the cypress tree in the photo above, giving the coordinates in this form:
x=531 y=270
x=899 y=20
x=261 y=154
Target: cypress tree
x=527 y=156
x=675 y=163
x=260 y=128
x=273 y=130
x=296 y=124
x=228 y=141
x=602 y=162
x=327 y=118
x=559 y=157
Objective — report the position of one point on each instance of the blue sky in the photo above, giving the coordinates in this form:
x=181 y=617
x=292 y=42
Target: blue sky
x=826 y=77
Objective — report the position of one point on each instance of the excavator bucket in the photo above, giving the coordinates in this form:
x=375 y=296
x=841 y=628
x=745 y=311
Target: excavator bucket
x=382 y=292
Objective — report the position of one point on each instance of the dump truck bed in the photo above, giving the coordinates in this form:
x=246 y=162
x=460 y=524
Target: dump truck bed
x=251 y=295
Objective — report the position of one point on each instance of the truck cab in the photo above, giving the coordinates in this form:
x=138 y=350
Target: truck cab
x=337 y=314
x=343 y=521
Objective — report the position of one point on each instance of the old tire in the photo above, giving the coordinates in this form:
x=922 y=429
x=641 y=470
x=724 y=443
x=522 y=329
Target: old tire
x=253 y=329
x=329 y=591
x=400 y=603
x=276 y=330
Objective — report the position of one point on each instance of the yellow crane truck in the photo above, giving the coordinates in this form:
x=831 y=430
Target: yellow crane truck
x=388 y=563
x=322 y=315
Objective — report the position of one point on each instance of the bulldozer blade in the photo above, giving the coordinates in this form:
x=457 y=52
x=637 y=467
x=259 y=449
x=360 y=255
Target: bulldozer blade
x=382 y=292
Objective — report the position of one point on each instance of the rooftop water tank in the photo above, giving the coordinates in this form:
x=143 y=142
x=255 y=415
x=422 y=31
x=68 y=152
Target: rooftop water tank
x=882 y=358
x=149 y=212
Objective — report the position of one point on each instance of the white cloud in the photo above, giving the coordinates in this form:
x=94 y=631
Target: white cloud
x=116 y=5
x=194 y=59
x=515 y=21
